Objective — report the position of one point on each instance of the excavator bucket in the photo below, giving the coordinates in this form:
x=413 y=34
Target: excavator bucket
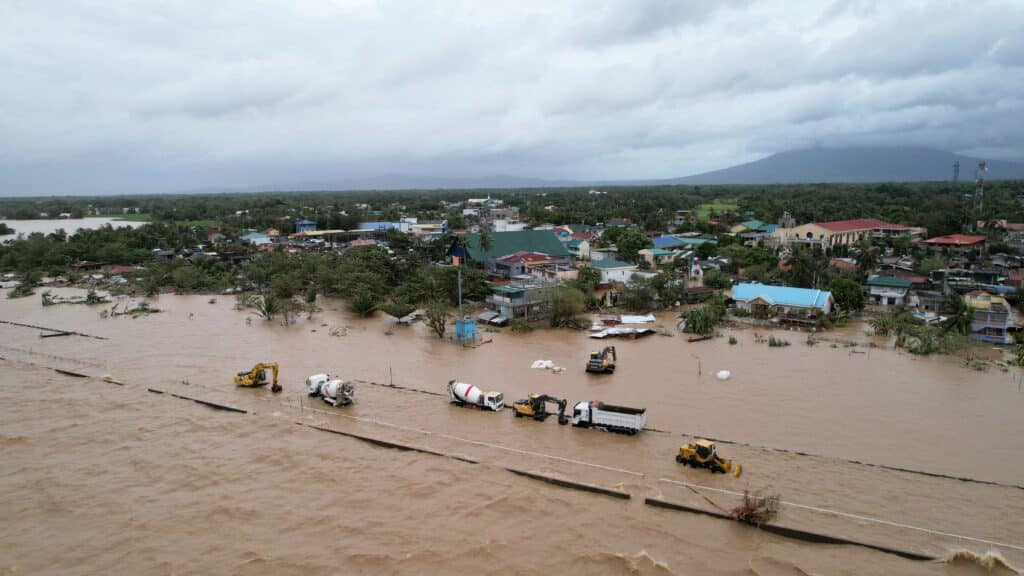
x=737 y=469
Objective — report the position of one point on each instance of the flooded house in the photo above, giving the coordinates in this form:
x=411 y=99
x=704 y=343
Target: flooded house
x=763 y=301
x=992 y=317
x=888 y=290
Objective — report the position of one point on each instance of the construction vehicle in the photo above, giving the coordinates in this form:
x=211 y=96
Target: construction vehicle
x=334 y=391
x=535 y=406
x=702 y=454
x=464 y=394
x=258 y=376
x=609 y=417
x=602 y=362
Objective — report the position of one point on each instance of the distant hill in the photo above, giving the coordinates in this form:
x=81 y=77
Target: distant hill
x=885 y=164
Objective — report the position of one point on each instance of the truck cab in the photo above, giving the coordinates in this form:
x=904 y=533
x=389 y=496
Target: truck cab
x=494 y=400
x=581 y=414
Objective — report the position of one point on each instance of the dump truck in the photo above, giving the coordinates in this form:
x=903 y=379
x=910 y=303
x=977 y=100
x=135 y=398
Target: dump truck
x=463 y=394
x=334 y=391
x=258 y=376
x=535 y=406
x=621 y=419
x=702 y=454
x=602 y=362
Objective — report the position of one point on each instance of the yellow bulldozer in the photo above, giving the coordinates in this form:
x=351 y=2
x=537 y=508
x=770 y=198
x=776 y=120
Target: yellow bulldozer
x=258 y=376
x=702 y=454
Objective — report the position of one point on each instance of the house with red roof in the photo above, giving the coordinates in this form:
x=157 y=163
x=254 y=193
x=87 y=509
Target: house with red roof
x=842 y=232
x=957 y=244
x=522 y=262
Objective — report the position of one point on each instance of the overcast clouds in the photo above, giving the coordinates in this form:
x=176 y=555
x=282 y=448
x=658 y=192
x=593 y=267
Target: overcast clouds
x=121 y=97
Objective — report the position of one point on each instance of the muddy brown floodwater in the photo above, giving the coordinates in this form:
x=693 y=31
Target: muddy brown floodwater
x=101 y=478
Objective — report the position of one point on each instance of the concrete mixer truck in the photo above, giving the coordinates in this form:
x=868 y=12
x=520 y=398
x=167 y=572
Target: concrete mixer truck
x=334 y=391
x=463 y=394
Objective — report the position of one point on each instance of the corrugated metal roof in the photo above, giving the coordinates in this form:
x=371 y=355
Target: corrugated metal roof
x=609 y=264
x=504 y=243
x=782 y=295
x=889 y=282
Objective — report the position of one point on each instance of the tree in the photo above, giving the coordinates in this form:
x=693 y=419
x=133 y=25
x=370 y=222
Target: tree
x=927 y=265
x=808 y=268
x=867 y=257
x=959 y=315
x=587 y=279
x=637 y=295
x=717 y=279
x=397 y=309
x=630 y=242
x=485 y=241
x=363 y=303
x=567 y=307
x=847 y=294
x=437 y=317
x=267 y=306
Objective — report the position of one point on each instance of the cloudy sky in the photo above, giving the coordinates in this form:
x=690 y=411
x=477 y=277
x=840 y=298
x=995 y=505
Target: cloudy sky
x=109 y=96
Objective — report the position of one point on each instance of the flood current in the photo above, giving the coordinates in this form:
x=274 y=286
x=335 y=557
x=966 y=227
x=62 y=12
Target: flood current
x=98 y=477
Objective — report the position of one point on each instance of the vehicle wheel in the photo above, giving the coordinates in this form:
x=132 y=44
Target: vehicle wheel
x=517 y=414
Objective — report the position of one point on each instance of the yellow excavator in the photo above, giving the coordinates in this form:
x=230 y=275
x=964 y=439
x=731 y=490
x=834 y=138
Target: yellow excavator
x=258 y=376
x=702 y=454
x=535 y=406
x=602 y=362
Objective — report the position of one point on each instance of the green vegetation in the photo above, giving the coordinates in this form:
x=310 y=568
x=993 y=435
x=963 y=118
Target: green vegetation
x=437 y=317
x=567 y=307
x=90 y=298
x=5 y=229
x=710 y=209
x=848 y=295
x=702 y=320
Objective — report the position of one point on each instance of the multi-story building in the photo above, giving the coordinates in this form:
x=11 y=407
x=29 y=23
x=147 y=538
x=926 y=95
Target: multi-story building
x=992 y=317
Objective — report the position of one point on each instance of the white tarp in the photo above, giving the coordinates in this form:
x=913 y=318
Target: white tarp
x=624 y=332
x=633 y=319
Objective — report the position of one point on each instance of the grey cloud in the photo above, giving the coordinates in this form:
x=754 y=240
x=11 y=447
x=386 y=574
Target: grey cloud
x=125 y=96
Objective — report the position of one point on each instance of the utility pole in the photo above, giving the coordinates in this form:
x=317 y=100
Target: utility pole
x=979 y=189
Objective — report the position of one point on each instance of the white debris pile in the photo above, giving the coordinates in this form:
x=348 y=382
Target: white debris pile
x=547 y=365
x=723 y=374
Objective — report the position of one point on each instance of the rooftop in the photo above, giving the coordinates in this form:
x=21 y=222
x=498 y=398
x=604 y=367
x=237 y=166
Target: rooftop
x=857 y=224
x=504 y=243
x=888 y=282
x=524 y=256
x=955 y=240
x=782 y=295
x=611 y=264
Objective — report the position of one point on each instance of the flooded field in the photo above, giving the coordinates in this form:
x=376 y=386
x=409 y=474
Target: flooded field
x=70 y=226
x=118 y=478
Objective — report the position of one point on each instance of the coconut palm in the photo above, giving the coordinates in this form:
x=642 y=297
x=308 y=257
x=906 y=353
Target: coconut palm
x=959 y=315
x=867 y=257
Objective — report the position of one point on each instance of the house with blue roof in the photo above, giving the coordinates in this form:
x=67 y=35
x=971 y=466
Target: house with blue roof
x=305 y=226
x=763 y=301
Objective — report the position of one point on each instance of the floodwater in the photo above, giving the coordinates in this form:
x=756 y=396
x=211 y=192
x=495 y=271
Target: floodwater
x=70 y=225
x=104 y=478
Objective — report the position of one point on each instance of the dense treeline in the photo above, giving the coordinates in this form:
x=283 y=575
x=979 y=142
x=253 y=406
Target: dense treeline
x=933 y=205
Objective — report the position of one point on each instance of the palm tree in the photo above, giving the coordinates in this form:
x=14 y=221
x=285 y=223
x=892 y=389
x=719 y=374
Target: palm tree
x=959 y=315
x=485 y=241
x=867 y=257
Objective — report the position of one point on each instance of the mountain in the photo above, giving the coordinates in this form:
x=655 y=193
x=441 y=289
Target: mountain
x=877 y=164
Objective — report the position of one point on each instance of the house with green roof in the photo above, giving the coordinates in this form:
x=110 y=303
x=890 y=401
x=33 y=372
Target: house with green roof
x=615 y=270
x=508 y=243
x=887 y=290
x=748 y=226
x=658 y=256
